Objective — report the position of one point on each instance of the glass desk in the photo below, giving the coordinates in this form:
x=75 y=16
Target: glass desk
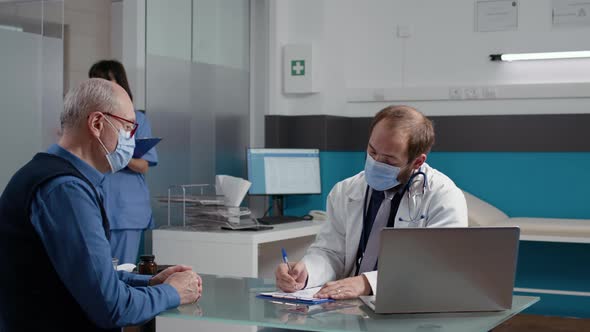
x=233 y=301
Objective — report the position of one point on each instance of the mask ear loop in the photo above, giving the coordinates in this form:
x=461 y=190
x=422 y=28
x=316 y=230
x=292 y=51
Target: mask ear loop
x=100 y=141
x=112 y=125
x=103 y=146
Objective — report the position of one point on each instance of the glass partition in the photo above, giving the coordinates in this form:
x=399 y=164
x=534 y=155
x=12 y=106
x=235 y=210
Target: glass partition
x=31 y=84
x=197 y=90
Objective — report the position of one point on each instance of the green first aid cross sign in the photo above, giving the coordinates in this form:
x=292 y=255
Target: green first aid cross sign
x=297 y=67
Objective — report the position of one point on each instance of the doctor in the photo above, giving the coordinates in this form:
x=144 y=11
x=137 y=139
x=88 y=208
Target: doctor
x=397 y=189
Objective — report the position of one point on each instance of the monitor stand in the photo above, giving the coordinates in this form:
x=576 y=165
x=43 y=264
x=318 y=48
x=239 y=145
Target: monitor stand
x=277 y=205
x=277 y=216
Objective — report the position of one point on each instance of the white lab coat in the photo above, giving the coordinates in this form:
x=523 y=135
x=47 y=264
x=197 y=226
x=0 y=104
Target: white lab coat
x=333 y=254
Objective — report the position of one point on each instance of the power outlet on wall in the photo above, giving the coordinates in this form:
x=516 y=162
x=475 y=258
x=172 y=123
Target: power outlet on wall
x=488 y=92
x=455 y=93
x=471 y=93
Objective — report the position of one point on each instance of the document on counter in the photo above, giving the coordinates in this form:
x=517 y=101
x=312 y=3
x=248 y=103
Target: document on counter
x=304 y=296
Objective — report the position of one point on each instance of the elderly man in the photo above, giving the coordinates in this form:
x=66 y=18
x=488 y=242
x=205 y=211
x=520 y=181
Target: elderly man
x=396 y=189
x=57 y=271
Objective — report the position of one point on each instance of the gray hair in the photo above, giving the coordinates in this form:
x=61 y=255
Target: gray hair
x=92 y=95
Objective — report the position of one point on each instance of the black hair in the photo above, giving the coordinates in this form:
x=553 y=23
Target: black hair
x=111 y=70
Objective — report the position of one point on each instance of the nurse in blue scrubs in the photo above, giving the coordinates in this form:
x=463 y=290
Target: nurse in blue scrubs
x=127 y=198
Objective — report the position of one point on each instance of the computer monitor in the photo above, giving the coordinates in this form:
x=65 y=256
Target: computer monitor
x=279 y=172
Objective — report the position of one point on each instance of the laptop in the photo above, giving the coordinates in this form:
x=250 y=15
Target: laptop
x=428 y=270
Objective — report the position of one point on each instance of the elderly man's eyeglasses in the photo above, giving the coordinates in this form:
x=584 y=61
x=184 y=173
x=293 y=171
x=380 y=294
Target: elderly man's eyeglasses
x=127 y=124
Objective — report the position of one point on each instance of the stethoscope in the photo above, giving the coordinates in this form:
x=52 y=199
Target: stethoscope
x=395 y=202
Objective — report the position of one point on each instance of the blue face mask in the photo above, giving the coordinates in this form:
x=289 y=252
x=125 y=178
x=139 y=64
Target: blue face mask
x=120 y=158
x=380 y=176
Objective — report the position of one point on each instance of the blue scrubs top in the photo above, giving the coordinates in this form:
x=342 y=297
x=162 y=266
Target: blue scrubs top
x=127 y=197
x=65 y=213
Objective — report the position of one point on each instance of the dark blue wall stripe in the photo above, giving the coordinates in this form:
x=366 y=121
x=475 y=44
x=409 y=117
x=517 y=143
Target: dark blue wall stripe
x=559 y=305
x=554 y=265
x=463 y=133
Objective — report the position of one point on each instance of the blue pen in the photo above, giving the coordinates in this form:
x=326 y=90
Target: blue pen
x=285 y=259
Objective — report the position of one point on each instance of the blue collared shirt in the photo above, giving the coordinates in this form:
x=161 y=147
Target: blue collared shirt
x=127 y=197
x=65 y=213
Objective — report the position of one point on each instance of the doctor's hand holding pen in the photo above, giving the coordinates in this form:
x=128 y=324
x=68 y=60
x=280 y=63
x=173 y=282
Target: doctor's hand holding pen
x=290 y=277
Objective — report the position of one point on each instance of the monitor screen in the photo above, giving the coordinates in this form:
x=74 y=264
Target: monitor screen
x=284 y=171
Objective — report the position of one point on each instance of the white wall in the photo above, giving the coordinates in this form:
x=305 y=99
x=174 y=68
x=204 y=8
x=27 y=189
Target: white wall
x=359 y=49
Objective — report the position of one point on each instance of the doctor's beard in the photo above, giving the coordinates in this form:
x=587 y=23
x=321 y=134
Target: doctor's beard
x=405 y=173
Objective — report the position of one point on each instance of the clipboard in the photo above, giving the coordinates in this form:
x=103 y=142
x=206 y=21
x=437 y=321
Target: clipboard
x=294 y=299
x=143 y=145
x=301 y=297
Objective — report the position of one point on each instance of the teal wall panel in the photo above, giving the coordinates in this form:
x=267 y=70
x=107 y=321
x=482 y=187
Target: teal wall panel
x=544 y=185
